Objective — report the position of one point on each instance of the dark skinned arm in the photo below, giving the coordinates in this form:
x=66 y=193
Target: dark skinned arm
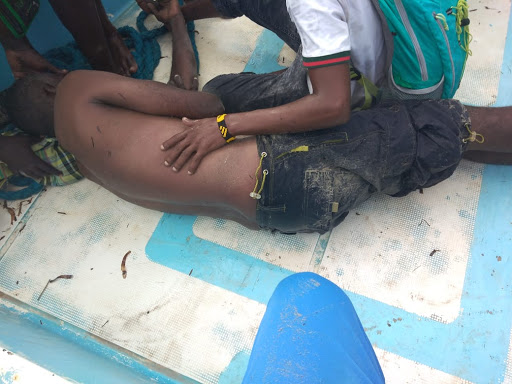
x=22 y=57
x=152 y=97
x=327 y=106
x=183 y=66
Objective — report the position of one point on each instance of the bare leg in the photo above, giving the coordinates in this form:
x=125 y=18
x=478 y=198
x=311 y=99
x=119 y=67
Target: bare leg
x=495 y=126
x=123 y=59
x=82 y=19
x=119 y=148
x=498 y=158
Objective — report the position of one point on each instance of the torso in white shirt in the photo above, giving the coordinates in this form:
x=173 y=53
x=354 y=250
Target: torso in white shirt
x=336 y=31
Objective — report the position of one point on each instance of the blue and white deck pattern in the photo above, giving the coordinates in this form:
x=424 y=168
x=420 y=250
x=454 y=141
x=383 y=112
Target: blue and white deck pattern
x=197 y=287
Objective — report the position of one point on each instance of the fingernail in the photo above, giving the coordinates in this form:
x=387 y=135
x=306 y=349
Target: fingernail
x=162 y=147
x=166 y=163
x=174 y=169
x=190 y=173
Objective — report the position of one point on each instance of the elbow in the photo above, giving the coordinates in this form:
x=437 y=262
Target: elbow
x=337 y=112
x=210 y=105
x=217 y=106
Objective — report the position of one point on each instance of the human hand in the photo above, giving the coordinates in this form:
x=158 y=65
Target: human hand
x=190 y=146
x=19 y=157
x=28 y=60
x=164 y=10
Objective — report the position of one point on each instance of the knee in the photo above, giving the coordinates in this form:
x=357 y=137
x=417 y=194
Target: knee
x=213 y=86
x=308 y=289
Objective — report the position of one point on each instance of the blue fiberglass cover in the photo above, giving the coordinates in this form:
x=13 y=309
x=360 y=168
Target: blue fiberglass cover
x=311 y=334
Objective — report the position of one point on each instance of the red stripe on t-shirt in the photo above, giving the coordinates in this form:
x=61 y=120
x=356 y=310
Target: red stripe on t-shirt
x=326 y=62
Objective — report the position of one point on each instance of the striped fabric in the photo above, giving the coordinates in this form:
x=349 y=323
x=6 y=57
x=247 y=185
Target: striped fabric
x=325 y=61
x=49 y=150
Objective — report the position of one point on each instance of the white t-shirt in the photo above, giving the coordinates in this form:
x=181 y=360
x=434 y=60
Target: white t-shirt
x=338 y=31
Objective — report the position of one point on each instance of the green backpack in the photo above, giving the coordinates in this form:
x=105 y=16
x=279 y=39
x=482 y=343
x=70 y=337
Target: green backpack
x=431 y=45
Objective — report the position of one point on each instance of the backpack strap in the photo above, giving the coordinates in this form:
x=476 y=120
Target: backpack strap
x=370 y=90
x=387 y=36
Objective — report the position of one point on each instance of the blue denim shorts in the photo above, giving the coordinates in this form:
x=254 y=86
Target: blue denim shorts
x=243 y=92
x=315 y=178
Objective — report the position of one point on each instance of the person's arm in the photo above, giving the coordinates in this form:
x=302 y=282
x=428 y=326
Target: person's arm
x=151 y=97
x=183 y=66
x=327 y=106
x=22 y=57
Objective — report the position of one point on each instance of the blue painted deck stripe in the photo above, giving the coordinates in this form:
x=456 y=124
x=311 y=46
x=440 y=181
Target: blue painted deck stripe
x=264 y=58
x=474 y=346
x=505 y=88
x=174 y=245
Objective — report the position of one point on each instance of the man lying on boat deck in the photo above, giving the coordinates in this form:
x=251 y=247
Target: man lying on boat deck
x=115 y=126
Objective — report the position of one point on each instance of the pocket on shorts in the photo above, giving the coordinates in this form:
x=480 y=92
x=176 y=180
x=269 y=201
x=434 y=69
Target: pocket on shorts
x=319 y=200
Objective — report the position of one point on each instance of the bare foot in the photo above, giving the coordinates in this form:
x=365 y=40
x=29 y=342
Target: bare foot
x=123 y=58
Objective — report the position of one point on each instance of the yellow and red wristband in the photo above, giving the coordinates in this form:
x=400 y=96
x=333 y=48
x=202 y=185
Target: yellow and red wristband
x=223 y=128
